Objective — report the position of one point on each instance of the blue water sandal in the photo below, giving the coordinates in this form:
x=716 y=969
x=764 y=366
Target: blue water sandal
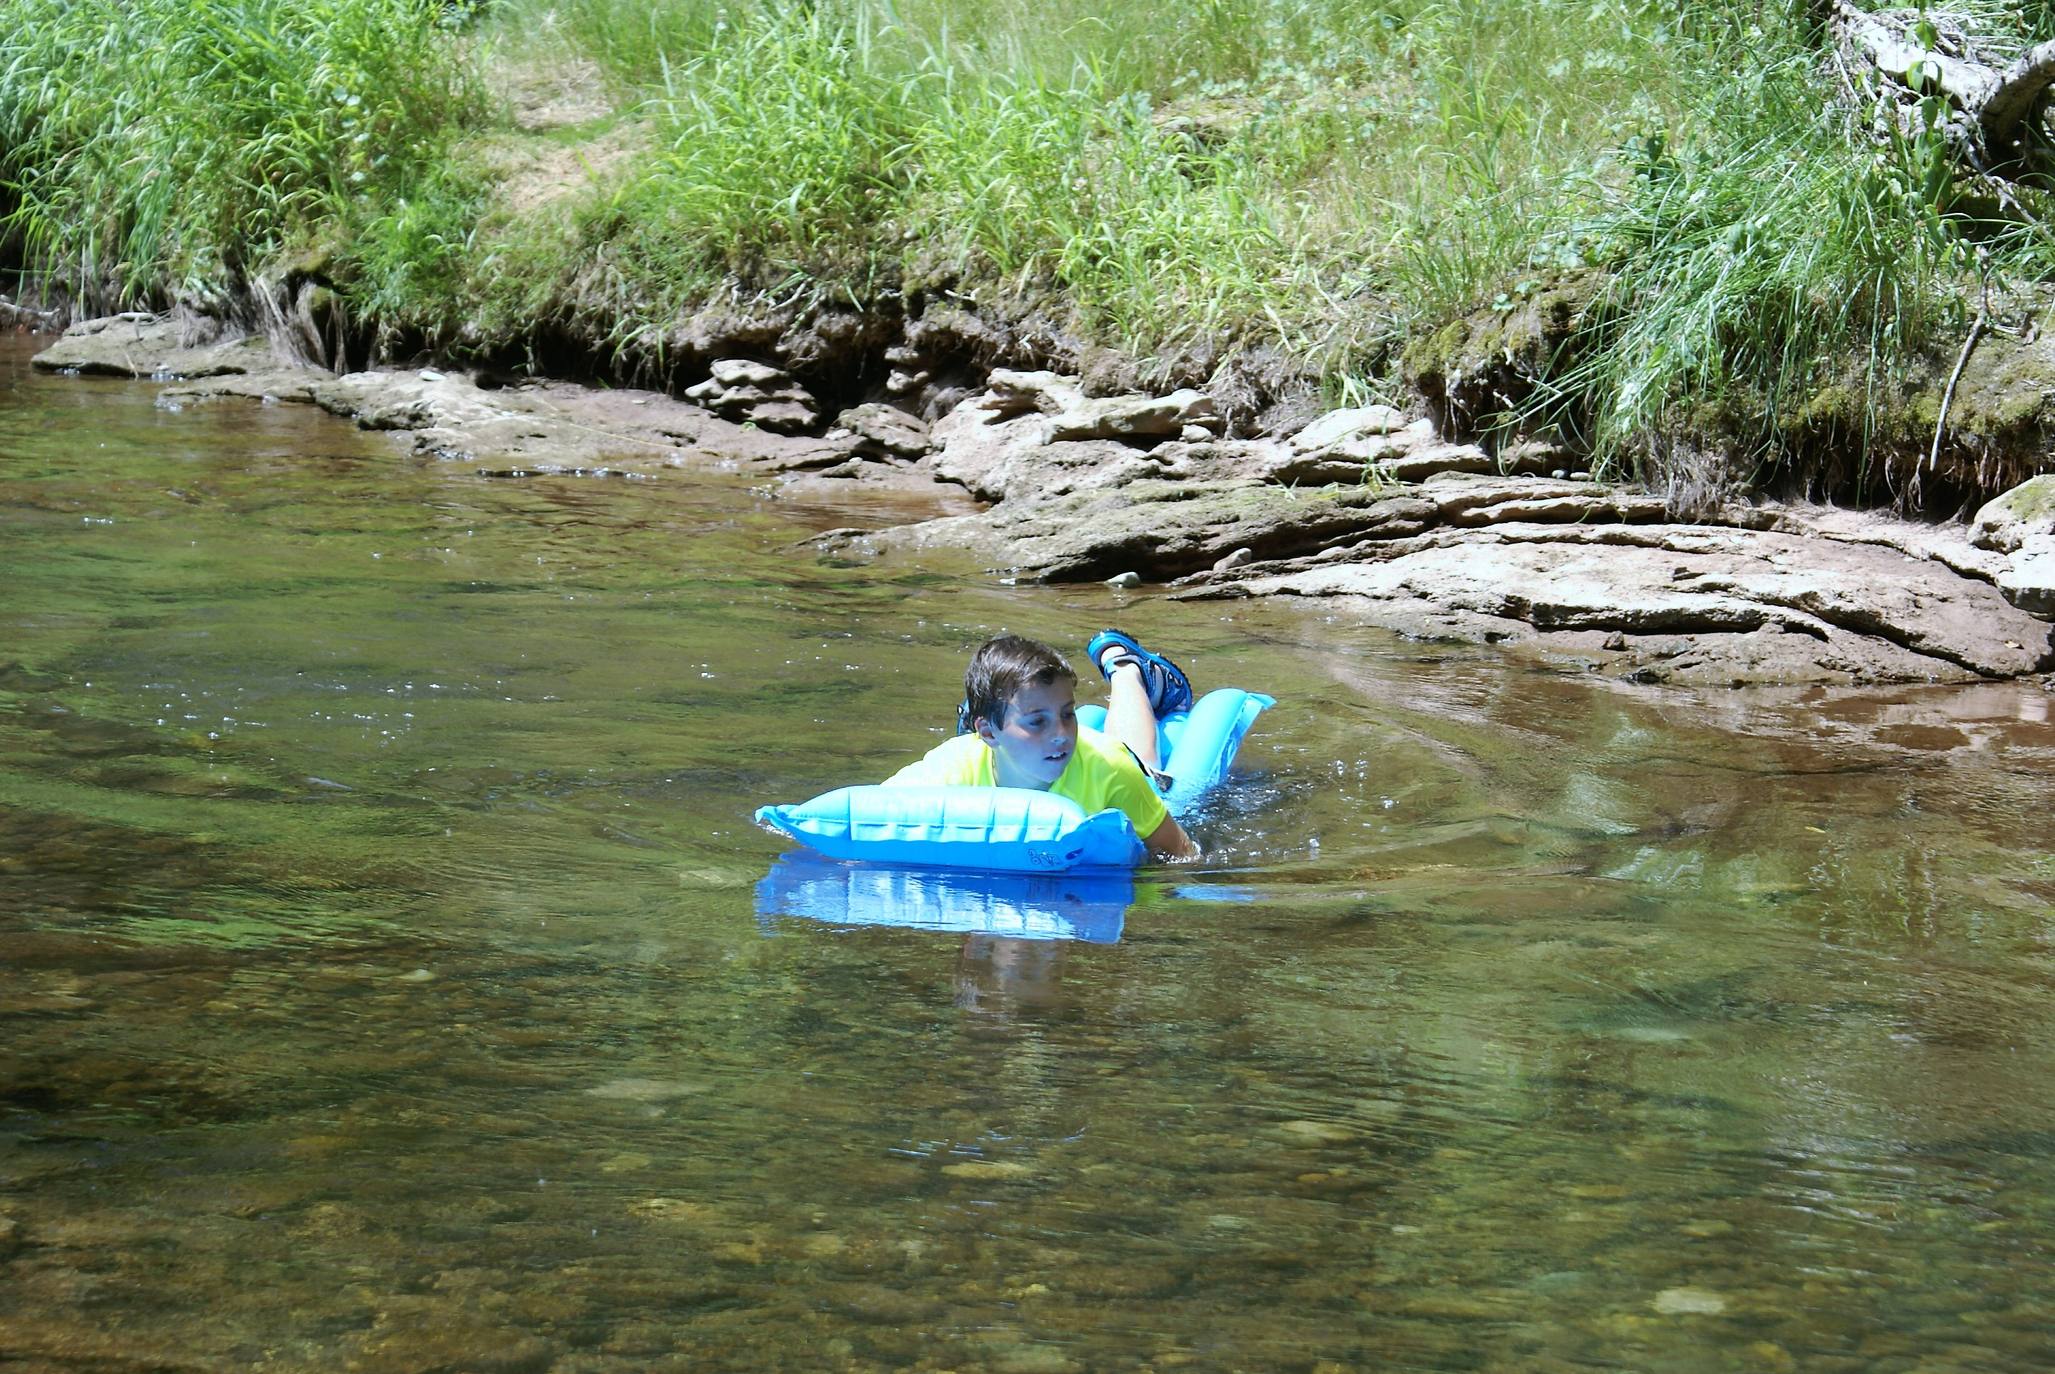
x=1170 y=691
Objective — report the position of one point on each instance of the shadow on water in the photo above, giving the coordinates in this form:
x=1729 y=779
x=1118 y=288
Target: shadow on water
x=391 y=978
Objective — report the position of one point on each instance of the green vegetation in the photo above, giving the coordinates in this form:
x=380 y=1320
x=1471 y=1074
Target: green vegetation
x=155 y=145
x=1323 y=177
x=1319 y=175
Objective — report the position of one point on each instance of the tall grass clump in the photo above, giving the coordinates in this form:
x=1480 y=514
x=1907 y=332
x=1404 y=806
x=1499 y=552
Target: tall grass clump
x=1764 y=248
x=1134 y=48
x=1319 y=175
x=779 y=156
x=633 y=42
x=1155 y=235
x=152 y=146
x=1506 y=111
x=823 y=151
x=784 y=146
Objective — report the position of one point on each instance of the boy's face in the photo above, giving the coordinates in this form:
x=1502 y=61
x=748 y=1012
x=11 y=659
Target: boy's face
x=1035 y=744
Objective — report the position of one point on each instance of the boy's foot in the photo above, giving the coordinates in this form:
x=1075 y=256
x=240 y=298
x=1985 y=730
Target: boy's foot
x=1170 y=691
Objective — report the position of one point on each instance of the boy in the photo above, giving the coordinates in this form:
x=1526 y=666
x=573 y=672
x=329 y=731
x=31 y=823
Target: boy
x=1019 y=729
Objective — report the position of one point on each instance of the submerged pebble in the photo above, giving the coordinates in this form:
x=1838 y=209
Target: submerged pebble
x=1317 y=1132
x=1689 y=1302
x=644 y=1090
x=989 y=1169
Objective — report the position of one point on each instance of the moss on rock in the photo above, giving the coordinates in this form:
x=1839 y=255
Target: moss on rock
x=1481 y=372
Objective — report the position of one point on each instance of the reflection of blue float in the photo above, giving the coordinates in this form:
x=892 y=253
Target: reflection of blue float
x=1012 y=829
x=1025 y=906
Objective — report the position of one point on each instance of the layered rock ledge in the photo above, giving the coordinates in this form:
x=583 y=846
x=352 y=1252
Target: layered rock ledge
x=1365 y=508
x=502 y=426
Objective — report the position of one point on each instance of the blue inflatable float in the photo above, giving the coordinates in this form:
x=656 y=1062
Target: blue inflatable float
x=1015 y=829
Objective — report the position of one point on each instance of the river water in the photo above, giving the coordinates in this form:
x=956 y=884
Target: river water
x=390 y=978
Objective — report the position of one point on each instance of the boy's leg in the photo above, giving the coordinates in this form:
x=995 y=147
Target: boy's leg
x=1129 y=717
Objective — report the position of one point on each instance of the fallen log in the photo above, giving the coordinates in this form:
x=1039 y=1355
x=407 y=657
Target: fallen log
x=1920 y=53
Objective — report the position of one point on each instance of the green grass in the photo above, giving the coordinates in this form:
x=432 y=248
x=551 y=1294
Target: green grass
x=155 y=147
x=1322 y=178
x=1761 y=249
x=1319 y=177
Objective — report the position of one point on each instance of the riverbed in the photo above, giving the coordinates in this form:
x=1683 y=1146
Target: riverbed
x=391 y=977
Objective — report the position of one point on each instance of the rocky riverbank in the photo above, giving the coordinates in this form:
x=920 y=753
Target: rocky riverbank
x=1368 y=509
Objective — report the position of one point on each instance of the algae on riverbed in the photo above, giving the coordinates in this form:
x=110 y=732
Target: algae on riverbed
x=383 y=988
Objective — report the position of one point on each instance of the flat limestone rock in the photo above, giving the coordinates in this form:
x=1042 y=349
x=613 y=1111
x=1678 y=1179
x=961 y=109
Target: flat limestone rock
x=1162 y=526
x=1010 y=392
x=2007 y=545
x=159 y=349
x=738 y=372
x=1340 y=426
x=1122 y=417
x=410 y=400
x=286 y=384
x=1005 y=458
x=780 y=415
x=1947 y=544
x=556 y=427
x=1857 y=613
x=1418 y=464
x=1575 y=566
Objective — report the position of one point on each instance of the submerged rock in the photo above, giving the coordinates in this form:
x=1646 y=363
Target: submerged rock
x=427 y=1343
x=1697 y=1302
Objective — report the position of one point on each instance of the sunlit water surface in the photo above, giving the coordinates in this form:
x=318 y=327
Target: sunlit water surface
x=383 y=984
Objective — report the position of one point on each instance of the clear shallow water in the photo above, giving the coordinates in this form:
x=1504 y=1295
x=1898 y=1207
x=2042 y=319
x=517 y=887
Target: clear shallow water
x=382 y=985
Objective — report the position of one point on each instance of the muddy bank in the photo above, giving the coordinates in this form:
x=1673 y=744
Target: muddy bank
x=1046 y=478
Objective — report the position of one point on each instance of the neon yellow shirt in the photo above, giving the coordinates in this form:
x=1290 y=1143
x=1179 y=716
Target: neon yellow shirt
x=1100 y=774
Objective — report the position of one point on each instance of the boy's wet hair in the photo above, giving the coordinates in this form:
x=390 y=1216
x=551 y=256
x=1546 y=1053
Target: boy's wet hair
x=1002 y=666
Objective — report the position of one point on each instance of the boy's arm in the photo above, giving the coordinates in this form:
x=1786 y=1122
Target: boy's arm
x=1168 y=841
